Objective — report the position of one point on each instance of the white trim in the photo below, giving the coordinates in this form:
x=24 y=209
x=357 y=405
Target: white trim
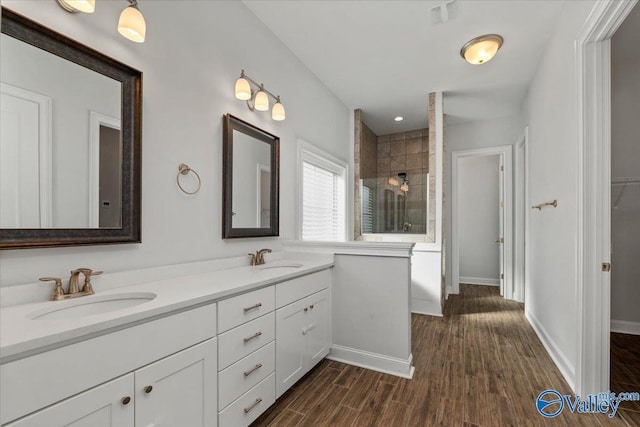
x=485 y=281
x=559 y=358
x=321 y=158
x=95 y=121
x=426 y=307
x=383 y=249
x=593 y=98
x=625 y=327
x=376 y=362
x=506 y=151
x=520 y=221
x=45 y=147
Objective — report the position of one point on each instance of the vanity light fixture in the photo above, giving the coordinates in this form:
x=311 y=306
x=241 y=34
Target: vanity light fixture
x=258 y=97
x=75 y=6
x=131 y=23
x=404 y=186
x=481 y=49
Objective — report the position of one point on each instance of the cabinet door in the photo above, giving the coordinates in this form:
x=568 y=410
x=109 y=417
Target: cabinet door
x=179 y=390
x=318 y=327
x=290 y=345
x=102 y=406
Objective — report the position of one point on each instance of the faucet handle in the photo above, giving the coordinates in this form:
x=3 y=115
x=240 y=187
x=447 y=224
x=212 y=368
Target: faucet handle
x=58 y=292
x=252 y=260
x=87 y=272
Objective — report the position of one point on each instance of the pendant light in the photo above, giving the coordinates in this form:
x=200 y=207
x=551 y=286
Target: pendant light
x=74 y=6
x=131 y=24
x=481 y=49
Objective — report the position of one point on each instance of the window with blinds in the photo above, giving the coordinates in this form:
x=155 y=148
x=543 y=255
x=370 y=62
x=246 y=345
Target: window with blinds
x=323 y=200
x=368 y=204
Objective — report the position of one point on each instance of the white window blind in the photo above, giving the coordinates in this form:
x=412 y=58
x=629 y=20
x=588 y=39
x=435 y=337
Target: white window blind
x=323 y=210
x=368 y=204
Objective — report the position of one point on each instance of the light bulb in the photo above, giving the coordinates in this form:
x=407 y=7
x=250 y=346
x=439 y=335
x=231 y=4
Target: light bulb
x=277 y=112
x=394 y=182
x=131 y=24
x=261 y=101
x=243 y=89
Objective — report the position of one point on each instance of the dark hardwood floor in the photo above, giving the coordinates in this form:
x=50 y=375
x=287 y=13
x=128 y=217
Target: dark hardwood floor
x=479 y=365
x=625 y=372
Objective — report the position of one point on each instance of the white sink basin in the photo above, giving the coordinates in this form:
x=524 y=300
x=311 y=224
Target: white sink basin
x=90 y=305
x=271 y=266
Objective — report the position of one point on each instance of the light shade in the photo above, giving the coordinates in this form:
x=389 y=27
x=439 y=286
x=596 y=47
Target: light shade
x=131 y=24
x=277 y=112
x=394 y=181
x=481 y=49
x=86 y=6
x=243 y=90
x=261 y=101
x=404 y=187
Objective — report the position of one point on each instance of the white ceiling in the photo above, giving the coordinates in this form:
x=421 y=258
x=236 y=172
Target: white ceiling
x=625 y=42
x=385 y=56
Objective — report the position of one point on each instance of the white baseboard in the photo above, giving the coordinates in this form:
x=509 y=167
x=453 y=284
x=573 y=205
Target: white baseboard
x=559 y=358
x=480 y=281
x=428 y=307
x=376 y=362
x=625 y=327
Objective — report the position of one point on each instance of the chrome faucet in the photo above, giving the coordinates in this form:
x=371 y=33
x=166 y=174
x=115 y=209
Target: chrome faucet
x=258 y=257
x=73 y=289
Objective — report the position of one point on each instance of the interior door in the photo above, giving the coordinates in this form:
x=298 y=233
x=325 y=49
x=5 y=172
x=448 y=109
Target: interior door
x=501 y=219
x=24 y=153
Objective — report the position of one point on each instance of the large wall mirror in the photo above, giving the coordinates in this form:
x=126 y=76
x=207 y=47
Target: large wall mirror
x=70 y=141
x=250 y=180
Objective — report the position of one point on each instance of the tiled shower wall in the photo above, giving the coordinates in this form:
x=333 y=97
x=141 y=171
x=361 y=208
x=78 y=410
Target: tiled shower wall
x=407 y=152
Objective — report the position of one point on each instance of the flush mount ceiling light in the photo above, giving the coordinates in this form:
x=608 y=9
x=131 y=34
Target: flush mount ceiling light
x=258 y=98
x=481 y=49
x=131 y=23
x=75 y=6
x=399 y=119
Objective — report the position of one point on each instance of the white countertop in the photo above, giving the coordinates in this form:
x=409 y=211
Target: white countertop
x=21 y=336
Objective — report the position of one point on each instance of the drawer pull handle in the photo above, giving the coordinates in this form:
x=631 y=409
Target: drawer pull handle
x=253 y=307
x=311 y=327
x=253 y=405
x=256 y=335
x=125 y=400
x=148 y=389
x=252 y=370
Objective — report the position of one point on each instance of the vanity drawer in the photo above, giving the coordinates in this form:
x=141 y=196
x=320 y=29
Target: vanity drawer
x=245 y=339
x=246 y=373
x=247 y=408
x=238 y=310
x=296 y=289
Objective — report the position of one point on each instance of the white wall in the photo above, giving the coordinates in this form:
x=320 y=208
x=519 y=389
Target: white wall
x=625 y=162
x=479 y=225
x=550 y=297
x=75 y=91
x=191 y=58
x=472 y=135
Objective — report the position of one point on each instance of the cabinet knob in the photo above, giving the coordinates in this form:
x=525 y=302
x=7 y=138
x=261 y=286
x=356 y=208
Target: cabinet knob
x=148 y=389
x=306 y=309
x=311 y=306
x=125 y=400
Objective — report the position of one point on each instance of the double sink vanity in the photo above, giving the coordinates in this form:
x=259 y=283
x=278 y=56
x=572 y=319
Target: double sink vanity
x=208 y=349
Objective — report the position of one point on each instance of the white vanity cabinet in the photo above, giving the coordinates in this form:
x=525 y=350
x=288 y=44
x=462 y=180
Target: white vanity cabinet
x=176 y=391
x=176 y=356
x=303 y=327
x=246 y=363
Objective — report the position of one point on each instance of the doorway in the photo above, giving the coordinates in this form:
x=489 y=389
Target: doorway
x=475 y=189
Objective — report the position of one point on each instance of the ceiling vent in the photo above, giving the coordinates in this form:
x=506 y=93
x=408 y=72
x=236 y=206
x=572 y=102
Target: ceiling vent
x=443 y=11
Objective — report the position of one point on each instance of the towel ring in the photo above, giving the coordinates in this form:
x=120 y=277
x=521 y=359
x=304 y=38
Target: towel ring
x=184 y=170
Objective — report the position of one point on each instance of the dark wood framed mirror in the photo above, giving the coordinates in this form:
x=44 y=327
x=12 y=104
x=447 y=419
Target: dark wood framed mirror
x=250 y=180
x=78 y=137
